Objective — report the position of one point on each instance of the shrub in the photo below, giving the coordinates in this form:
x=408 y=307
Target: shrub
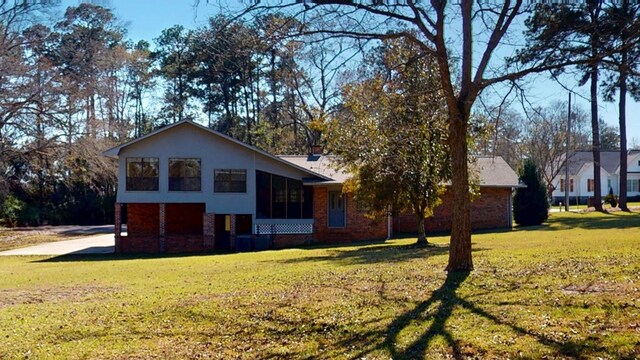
x=11 y=209
x=611 y=199
x=530 y=204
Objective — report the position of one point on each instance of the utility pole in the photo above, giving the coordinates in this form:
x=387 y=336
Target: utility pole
x=566 y=159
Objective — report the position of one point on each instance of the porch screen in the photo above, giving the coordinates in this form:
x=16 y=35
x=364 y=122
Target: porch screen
x=279 y=197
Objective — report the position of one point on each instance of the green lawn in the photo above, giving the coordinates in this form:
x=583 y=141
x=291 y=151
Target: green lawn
x=569 y=289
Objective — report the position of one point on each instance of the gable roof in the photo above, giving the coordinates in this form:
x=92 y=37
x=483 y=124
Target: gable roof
x=609 y=161
x=492 y=171
x=495 y=172
x=115 y=151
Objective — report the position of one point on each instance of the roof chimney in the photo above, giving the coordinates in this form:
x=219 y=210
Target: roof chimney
x=316 y=150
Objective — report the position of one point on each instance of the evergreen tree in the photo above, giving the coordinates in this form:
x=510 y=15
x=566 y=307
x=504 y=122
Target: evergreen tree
x=530 y=204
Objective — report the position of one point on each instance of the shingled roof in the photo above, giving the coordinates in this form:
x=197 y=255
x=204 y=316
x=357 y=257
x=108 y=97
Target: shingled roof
x=609 y=161
x=493 y=171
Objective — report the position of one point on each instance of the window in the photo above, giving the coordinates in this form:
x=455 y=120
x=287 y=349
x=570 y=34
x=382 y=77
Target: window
x=184 y=174
x=230 y=180
x=633 y=185
x=590 y=185
x=562 y=185
x=142 y=174
x=278 y=197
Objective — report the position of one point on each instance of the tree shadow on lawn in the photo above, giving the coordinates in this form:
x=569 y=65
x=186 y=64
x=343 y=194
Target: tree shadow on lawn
x=383 y=253
x=447 y=301
x=349 y=253
x=83 y=257
x=607 y=221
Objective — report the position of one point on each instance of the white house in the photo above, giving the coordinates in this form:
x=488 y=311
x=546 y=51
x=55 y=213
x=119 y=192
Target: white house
x=581 y=182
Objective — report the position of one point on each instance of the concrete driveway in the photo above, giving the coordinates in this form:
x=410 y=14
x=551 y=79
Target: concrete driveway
x=98 y=244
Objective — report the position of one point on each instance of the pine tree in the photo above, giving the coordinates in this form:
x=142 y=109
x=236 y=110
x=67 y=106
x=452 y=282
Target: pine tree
x=530 y=204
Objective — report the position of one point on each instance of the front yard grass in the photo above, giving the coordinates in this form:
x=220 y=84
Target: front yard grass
x=567 y=289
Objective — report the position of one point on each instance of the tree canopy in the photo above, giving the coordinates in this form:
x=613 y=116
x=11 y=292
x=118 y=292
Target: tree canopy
x=392 y=133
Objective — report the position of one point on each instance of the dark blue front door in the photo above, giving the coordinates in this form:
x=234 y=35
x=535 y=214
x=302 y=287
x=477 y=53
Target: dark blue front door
x=336 y=209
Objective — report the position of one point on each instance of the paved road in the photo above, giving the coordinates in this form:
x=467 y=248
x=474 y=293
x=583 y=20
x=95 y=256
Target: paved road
x=98 y=244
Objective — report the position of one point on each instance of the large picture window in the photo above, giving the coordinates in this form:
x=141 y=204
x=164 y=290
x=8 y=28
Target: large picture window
x=278 y=197
x=142 y=174
x=184 y=174
x=633 y=185
x=230 y=180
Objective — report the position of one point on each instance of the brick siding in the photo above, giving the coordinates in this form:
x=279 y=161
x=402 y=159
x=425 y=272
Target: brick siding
x=185 y=244
x=281 y=241
x=143 y=219
x=358 y=226
x=184 y=224
x=185 y=219
x=489 y=211
x=185 y=230
x=139 y=244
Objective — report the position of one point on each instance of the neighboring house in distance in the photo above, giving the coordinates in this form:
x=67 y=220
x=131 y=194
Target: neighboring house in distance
x=581 y=182
x=186 y=188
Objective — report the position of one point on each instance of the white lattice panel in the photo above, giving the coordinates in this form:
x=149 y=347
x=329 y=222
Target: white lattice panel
x=272 y=229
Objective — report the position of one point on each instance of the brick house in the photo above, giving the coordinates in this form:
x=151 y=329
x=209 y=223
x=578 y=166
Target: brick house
x=492 y=208
x=187 y=188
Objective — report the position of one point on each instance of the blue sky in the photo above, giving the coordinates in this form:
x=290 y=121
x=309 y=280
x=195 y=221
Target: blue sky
x=145 y=20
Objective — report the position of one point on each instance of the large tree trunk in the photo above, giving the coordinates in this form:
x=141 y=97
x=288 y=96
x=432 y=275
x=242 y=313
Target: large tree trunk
x=622 y=107
x=595 y=134
x=422 y=234
x=460 y=244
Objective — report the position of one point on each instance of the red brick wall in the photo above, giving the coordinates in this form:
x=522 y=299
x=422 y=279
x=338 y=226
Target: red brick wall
x=488 y=211
x=184 y=226
x=185 y=243
x=136 y=244
x=358 y=227
x=185 y=219
x=143 y=219
x=290 y=240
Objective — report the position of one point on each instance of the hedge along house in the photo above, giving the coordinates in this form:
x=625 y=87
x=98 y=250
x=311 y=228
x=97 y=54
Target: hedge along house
x=186 y=188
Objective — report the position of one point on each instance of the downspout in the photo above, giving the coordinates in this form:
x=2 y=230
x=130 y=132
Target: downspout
x=510 y=209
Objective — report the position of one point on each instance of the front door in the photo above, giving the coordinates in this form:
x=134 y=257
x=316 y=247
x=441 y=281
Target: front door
x=223 y=232
x=336 y=209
